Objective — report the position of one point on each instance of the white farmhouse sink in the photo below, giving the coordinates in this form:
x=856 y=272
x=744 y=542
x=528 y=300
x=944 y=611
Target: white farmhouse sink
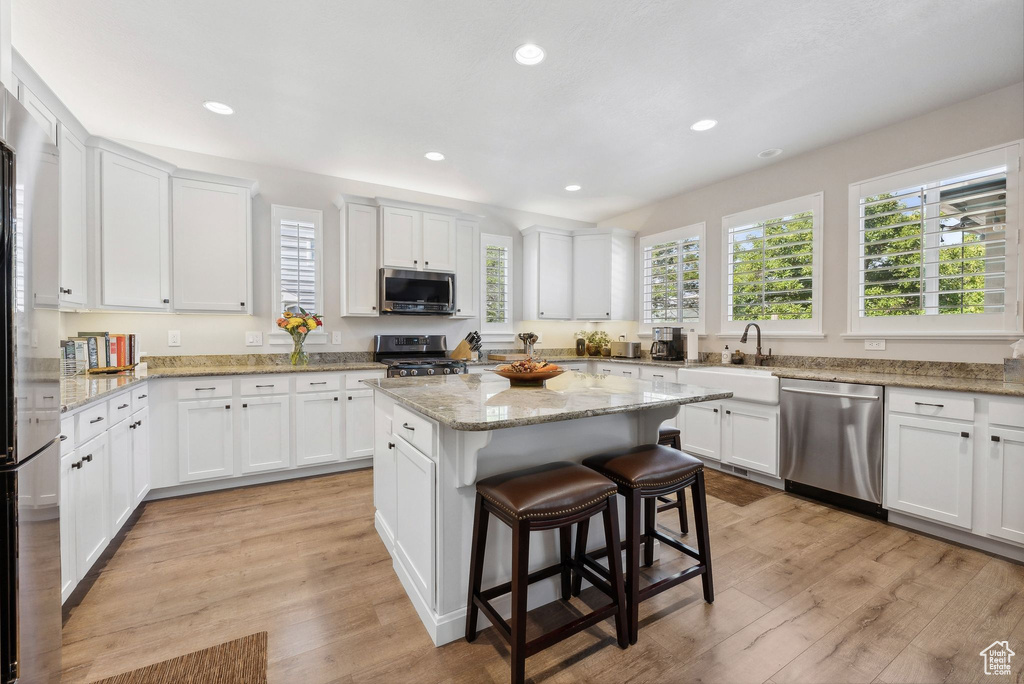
x=745 y=383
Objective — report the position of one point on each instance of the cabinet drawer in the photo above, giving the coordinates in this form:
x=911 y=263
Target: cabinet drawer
x=268 y=384
x=353 y=379
x=931 y=404
x=318 y=382
x=119 y=408
x=625 y=371
x=91 y=422
x=140 y=398
x=1006 y=411
x=210 y=388
x=657 y=374
x=415 y=429
x=67 y=435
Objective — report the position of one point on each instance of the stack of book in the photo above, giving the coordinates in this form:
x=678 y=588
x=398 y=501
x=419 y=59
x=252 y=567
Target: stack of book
x=99 y=350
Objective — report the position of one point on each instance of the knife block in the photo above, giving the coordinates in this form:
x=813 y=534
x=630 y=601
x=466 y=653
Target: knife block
x=462 y=352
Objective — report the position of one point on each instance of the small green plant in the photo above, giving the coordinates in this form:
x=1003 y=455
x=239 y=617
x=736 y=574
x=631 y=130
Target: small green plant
x=596 y=338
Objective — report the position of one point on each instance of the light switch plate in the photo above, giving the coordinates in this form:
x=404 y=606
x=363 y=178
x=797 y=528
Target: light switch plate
x=173 y=338
x=253 y=338
x=336 y=337
x=874 y=345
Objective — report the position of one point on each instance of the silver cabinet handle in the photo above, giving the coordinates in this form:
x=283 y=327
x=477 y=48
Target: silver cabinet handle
x=451 y=292
x=794 y=390
x=96 y=420
x=122 y=406
x=319 y=383
x=260 y=386
x=205 y=389
x=408 y=427
x=924 y=403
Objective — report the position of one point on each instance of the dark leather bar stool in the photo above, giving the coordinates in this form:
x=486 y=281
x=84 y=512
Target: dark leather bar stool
x=671 y=437
x=551 y=496
x=644 y=473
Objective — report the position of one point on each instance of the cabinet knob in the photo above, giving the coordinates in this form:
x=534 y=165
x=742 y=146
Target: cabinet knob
x=607 y=313
x=373 y=308
x=458 y=311
x=715 y=410
x=995 y=438
x=241 y=303
x=335 y=398
x=227 y=406
x=541 y=313
x=87 y=457
x=350 y=397
x=391 y=445
x=77 y=464
x=69 y=290
x=244 y=406
x=965 y=435
x=728 y=413
x=167 y=301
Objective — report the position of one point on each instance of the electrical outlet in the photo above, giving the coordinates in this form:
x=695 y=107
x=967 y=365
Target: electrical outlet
x=874 y=345
x=336 y=337
x=173 y=338
x=253 y=339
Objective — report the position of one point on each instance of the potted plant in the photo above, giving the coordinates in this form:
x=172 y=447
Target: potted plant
x=596 y=340
x=298 y=325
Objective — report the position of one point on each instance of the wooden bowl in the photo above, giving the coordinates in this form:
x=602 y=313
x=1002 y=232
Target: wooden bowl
x=534 y=379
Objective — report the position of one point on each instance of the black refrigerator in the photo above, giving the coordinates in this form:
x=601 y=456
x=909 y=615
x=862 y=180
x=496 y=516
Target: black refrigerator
x=30 y=567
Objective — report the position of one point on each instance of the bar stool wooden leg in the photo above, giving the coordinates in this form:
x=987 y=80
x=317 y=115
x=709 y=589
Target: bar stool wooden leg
x=611 y=534
x=520 y=583
x=650 y=522
x=684 y=525
x=582 y=528
x=633 y=503
x=565 y=556
x=700 y=521
x=476 y=564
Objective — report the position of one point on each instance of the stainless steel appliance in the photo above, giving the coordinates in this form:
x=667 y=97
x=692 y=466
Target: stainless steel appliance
x=621 y=349
x=831 y=442
x=669 y=344
x=414 y=355
x=30 y=572
x=416 y=292
x=528 y=339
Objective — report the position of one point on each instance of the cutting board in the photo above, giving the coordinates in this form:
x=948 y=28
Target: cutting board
x=507 y=357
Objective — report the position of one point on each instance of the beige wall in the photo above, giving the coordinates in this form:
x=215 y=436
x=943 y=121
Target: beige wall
x=985 y=121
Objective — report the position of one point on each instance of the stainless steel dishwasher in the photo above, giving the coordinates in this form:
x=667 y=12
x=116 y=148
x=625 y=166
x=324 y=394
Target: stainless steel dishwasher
x=831 y=442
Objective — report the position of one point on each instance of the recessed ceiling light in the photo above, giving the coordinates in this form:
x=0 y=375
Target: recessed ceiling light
x=768 y=154
x=704 y=125
x=572 y=188
x=529 y=54
x=218 y=107
x=434 y=156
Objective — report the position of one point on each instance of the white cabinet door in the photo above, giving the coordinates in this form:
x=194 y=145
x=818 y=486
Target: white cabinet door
x=210 y=223
x=358 y=424
x=68 y=480
x=141 y=467
x=73 y=252
x=414 y=516
x=928 y=469
x=438 y=240
x=467 y=269
x=359 y=260
x=401 y=237
x=134 y=235
x=318 y=422
x=750 y=436
x=119 y=486
x=700 y=426
x=90 y=502
x=554 y=274
x=265 y=442
x=205 y=439
x=384 y=492
x=592 y=270
x=1003 y=498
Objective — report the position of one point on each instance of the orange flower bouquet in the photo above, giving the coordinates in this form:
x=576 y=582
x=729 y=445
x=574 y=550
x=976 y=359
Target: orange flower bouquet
x=298 y=325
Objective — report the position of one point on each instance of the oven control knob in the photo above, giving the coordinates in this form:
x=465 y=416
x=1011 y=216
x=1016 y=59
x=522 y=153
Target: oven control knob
x=447 y=371
x=430 y=371
x=413 y=372
x=402 y=373
x=456 y=370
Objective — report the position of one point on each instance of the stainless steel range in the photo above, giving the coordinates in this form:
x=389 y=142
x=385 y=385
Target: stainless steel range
x=415 y=355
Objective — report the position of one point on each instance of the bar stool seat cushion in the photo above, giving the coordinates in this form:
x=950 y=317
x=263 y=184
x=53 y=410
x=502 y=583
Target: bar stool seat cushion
x=667 y=432
x=546 y=491
x=645 y=466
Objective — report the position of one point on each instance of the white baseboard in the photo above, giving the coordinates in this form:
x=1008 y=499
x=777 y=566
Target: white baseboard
x=255 y=479
x=952 y=534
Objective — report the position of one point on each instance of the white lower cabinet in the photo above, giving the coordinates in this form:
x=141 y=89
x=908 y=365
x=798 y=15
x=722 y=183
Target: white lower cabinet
x=358 y=424
x=929 y=468
x=318 y=421
x=750 y=436
x=384 y=494
x=68 y=573
x=265 y=441
x=205 y=439
x=415 y=477
x=89 y=490
x=1005 y=463
x=119 y=485
x=700 y=426
x=141 y=466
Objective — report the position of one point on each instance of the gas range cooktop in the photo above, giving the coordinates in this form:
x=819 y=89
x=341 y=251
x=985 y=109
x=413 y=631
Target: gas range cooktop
x=415 y=355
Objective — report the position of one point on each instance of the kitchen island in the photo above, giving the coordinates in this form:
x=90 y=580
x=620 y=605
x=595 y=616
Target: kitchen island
x=436 y=436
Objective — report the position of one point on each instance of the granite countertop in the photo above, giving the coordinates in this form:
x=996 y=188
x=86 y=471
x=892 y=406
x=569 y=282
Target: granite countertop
x=487 y=402
x=932 y=382
x=81 y=390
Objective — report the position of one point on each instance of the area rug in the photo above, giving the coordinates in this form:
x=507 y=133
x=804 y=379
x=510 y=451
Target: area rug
x=735 y=490
x=242 y=661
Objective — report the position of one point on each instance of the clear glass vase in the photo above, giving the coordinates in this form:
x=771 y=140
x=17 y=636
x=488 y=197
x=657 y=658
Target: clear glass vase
x=299 y=357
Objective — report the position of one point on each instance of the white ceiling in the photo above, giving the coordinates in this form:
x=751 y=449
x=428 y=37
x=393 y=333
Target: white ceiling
x=362 y=88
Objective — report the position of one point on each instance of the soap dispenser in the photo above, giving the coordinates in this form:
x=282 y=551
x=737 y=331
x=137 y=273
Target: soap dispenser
x=726 y=355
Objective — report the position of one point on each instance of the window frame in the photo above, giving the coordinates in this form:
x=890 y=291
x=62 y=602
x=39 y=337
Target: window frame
x=279 y=213
x=497 y=332
x=698 y=230
x=807 y=327
x=1008 y=324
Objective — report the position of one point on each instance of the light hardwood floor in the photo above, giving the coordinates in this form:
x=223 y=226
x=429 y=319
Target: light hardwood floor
x=804 y=593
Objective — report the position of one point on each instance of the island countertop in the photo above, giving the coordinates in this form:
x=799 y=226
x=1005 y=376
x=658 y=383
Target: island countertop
x=476 y=403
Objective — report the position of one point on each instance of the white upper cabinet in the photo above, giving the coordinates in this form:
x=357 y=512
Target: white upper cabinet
x=467 y=268
x=211 y=223
x=134 y=231
x=438 y=242
x=359 y=259
x=603 y=275
x=401 y=237
x=547 y=274
x=72 y=249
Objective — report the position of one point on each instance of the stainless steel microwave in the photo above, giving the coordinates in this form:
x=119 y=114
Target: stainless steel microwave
x=416 y=292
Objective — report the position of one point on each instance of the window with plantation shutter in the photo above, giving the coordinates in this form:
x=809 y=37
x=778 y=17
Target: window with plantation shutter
x=297 y=255
x=935 y=249
x=772 y=267
x=672 y=278
x=496 y=261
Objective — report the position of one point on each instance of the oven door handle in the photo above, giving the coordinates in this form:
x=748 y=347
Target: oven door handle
x=840 y=395
x=451 y=294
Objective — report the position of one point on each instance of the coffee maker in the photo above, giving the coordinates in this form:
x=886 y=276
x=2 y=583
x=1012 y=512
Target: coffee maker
x=669 y=344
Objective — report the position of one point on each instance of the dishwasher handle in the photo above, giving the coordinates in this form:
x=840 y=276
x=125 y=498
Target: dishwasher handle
x=840 y=395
